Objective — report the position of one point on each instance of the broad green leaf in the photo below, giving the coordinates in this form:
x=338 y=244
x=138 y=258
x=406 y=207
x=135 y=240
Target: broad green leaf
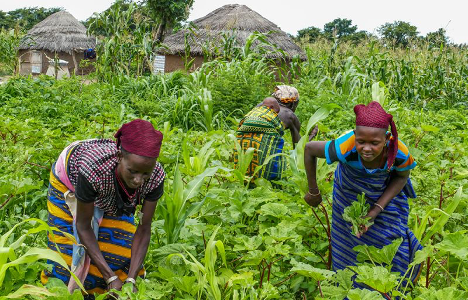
x=358 y=294
x=447 y=293
x=455 y=243
x=421 y=255
x=378 y=278
x=311 y=272
x=376 y=255
x=277 y=210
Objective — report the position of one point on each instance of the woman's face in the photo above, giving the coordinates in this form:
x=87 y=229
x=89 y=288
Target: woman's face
x=370 y=142
x=134 y=169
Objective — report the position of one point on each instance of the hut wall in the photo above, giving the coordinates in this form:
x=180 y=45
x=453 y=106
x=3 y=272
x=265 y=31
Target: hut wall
x=25 y=62
x=176 y=62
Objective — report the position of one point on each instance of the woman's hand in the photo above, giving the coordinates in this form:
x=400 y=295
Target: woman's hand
x=116 y=285
x=372 y=214
x=313 y=197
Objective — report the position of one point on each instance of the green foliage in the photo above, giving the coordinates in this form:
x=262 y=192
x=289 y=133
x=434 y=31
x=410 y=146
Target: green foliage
x=25 y=18
x=356 y=212
x=9 y=42
x=455 y=243
x=265 y=232
x=437 y=38
x=12 y=256
x=310 y=33
x=375 y=255
x=339 y=28
x=127 y=46
x=398 y=33
x=168 y=13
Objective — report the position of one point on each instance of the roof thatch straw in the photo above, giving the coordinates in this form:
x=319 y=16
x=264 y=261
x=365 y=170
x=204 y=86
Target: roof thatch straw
x=236 y=20
x=59 y=32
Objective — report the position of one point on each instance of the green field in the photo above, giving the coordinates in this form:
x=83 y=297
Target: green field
x=239 y=243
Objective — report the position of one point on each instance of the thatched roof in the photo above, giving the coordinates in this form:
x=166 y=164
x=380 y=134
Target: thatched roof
x=235 y=19
x=59 y=32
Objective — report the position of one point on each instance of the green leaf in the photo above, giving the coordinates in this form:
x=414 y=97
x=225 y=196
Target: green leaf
x=378 y=278
x=27 y=289
x=429 y=128
x=440 y=222
x=311 y=272
x=358 y=294
x=356 y=212
x=277 y=210
x=447 y=293
x=380 y=256
x=455 y=243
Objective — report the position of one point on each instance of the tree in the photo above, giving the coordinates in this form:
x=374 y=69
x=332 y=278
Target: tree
x=311 y=33
x=399 y=33
x=25 y=18
x=339 y=28
x=168 y=13
x=437 y=38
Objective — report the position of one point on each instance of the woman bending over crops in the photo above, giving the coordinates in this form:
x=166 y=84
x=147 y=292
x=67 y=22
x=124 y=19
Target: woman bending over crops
x=95 y=186
x=263 y=129
x=375 y=162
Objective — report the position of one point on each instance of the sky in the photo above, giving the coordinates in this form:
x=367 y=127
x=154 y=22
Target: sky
x=293 y=15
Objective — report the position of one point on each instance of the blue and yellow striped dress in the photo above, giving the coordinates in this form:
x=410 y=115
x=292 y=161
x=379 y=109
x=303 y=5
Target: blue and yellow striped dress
x=352 y=179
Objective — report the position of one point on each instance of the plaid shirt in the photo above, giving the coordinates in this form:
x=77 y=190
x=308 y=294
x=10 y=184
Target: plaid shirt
x=96 y=160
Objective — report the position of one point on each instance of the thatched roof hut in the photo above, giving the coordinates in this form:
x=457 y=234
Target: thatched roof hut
x=232 y=19
x=60 y=34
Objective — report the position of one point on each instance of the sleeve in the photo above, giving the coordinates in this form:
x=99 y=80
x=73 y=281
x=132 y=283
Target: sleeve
x=155 y=194
x=404 y=161
x=340 y=148
x=330 y=152
x=84 y=191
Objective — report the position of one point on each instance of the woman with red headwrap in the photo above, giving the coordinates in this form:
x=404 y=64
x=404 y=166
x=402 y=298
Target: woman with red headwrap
x=95 y=186
x=375 y=162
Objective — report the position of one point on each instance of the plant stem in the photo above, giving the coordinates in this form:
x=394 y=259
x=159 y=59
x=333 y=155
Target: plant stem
x=428 y=262
x=286 y=279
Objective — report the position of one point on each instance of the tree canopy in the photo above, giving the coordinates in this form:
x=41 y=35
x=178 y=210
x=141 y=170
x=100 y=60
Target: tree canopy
x=340 y=28
x=25 y=18
x=168 y=13
x=399 y=33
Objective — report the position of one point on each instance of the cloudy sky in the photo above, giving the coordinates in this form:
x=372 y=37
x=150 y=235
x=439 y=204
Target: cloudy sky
x=292 y=15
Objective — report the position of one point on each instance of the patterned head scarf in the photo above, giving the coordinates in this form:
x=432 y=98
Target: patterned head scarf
x=139 y=137
x=286 y=94
x=373 y=115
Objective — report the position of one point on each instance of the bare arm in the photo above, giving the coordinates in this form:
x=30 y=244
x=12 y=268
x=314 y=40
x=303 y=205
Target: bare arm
x=396 y=184
x=295 y=128
x=311 y=152
x=84 y=215
x=141 y=238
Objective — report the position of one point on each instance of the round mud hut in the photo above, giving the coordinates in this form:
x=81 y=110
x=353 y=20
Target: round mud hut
x=232 y=23
x=59 y=42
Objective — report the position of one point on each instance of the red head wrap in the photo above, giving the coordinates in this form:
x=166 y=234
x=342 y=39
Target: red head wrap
x=139 y=137
x=373 y=115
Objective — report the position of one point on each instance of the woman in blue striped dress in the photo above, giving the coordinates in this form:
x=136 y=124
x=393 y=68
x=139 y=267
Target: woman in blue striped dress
x=371 y=161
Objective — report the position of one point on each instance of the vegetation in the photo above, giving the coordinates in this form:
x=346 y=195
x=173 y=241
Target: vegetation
x=25 y=18
x=356 y=212
x=213 y=237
